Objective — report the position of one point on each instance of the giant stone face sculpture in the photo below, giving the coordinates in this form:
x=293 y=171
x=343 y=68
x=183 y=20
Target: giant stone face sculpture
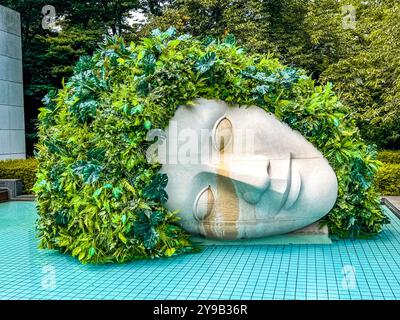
x=241 y=173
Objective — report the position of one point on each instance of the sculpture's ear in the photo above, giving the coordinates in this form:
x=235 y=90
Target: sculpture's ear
x=222 y=133
x=204 y=204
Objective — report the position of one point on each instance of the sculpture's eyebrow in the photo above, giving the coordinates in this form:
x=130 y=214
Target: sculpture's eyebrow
x=222 y=133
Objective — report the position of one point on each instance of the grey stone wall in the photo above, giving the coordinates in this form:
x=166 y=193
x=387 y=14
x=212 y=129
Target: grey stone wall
x=14 y=187
x=12 y=127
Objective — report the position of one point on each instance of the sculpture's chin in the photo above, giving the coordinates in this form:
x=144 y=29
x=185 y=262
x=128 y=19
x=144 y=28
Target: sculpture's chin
x=245 y=229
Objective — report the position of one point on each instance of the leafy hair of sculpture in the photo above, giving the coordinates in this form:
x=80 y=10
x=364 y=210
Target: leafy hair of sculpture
x=102 y=201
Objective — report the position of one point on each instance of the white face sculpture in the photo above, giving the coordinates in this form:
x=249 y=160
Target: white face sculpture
x=241 y=173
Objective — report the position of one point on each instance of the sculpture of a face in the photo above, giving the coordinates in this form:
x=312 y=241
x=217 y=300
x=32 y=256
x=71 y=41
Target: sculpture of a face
x=241 y=173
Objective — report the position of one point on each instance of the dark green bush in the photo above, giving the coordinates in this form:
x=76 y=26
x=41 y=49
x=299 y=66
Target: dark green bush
x=389 y=156
x=388 y=179
x=24 y=169
x=98 y=197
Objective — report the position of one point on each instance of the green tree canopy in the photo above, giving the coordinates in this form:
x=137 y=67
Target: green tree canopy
x=369 y=76
x=49 y=55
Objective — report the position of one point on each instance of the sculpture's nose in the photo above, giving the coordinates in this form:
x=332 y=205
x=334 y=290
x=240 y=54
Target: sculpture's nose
x=250 y=175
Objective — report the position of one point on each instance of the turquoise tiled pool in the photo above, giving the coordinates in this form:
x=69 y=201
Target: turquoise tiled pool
x=351 y=269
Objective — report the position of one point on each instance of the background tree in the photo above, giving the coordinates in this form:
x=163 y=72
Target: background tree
x=369 y=77
x=49 y=55
x=245 y=19
x=308 y=34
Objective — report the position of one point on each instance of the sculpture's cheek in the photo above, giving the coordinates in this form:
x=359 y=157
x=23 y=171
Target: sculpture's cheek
x=317 y=194
x=320 y=192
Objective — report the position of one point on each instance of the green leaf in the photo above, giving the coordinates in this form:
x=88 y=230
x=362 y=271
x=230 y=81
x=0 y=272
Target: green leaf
x=117 y=192
x=122 y=238
x=156 y=218
x=125 y=108
x=147 y=125
x=84 y=109
x=149 y=63
x=92 y=251
x=61 y=218
x=171 y=31
x=230 y=39
x=170 y=251
x=156 y=33
x=97 y=192
x=137 y=109
x=82 y=255
x=155 y=190
x=206 y=62
x=88 y=171
x=151 y=238
x=76 y=251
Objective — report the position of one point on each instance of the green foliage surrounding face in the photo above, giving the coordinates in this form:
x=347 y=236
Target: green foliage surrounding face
x=98 y=197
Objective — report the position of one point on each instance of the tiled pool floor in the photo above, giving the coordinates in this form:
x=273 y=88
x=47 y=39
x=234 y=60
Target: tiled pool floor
x=351 y=269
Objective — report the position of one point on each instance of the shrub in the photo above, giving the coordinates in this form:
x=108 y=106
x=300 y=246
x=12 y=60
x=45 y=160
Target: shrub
x=389 y=156
x=24 y=169
x=94 y=182
x=388 y=179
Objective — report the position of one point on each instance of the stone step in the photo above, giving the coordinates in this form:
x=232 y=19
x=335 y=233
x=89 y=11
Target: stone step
x=393 y=203
x=24 y=197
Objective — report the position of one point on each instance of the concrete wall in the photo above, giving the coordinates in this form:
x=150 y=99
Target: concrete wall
x=12 y=128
